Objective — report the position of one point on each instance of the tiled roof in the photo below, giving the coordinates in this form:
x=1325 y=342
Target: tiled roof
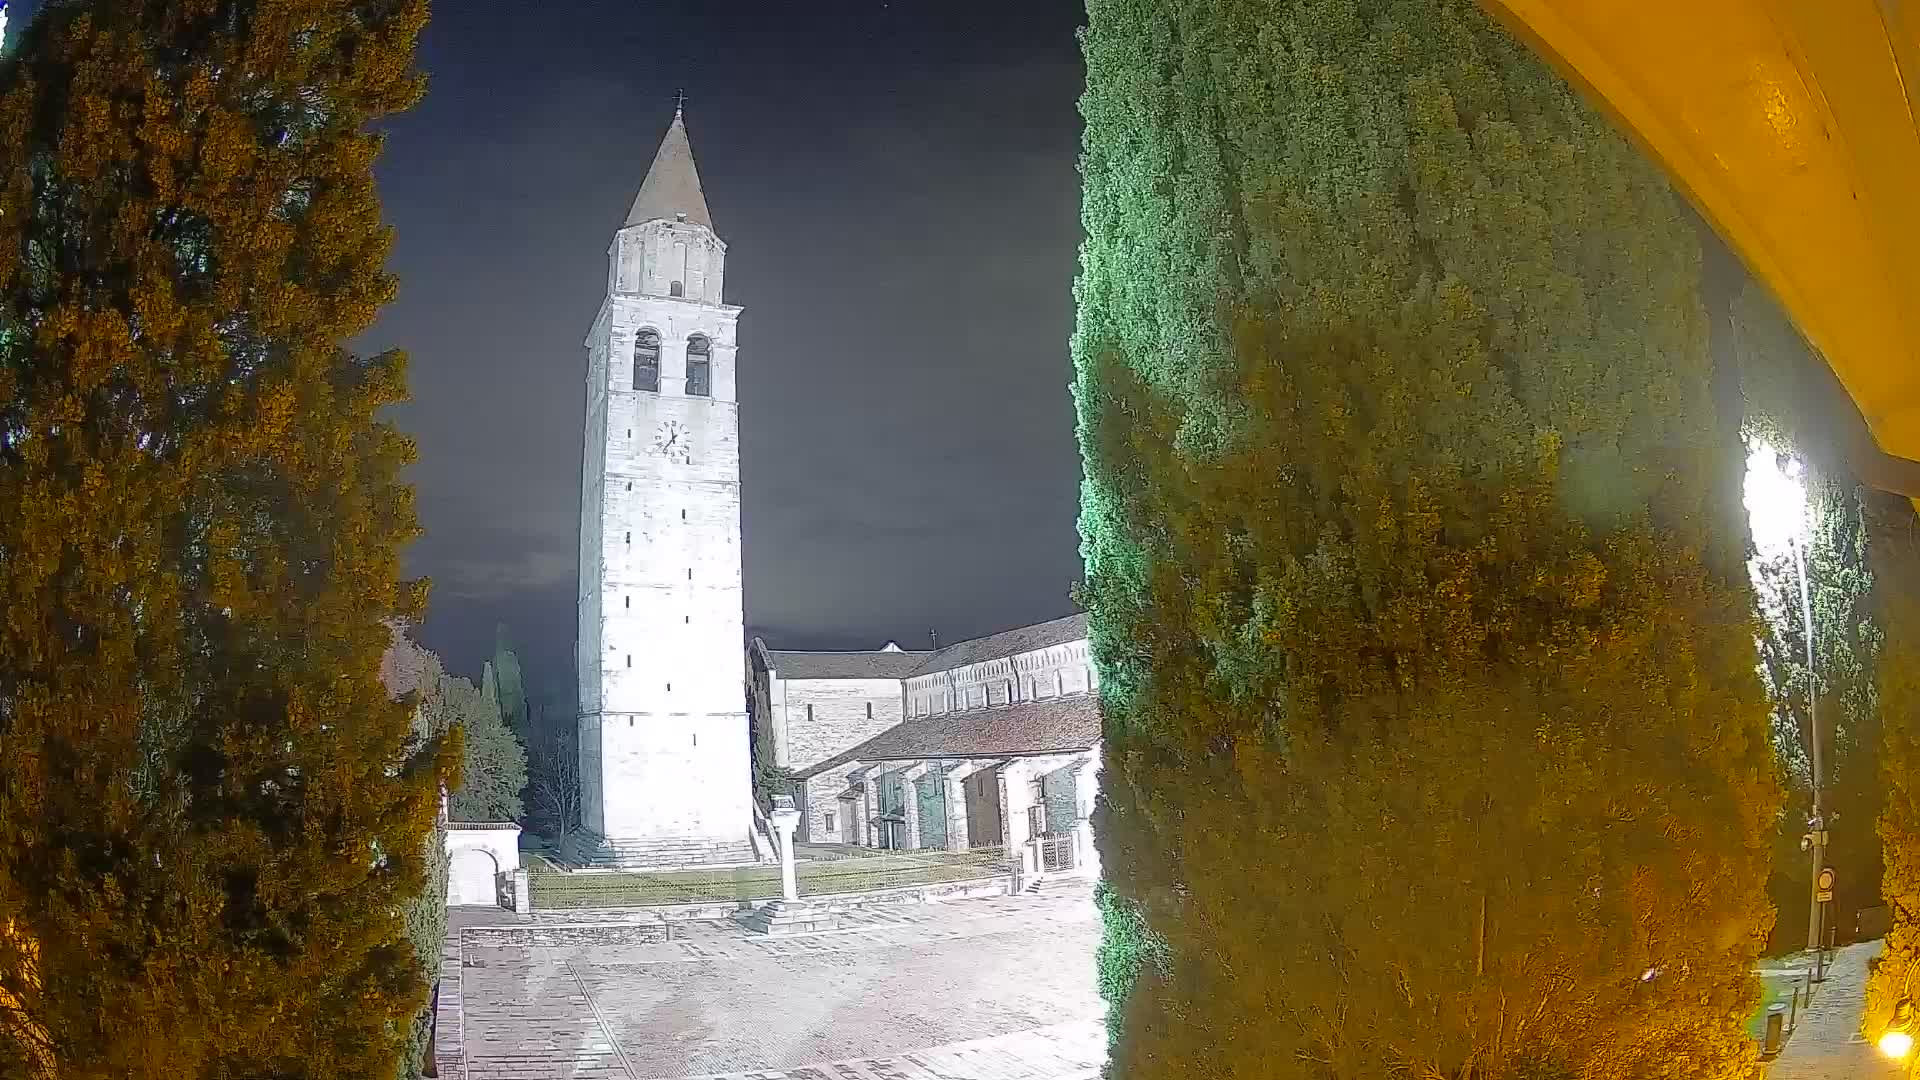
x=877 y=664
x=1024 y=639
x=1028 y=727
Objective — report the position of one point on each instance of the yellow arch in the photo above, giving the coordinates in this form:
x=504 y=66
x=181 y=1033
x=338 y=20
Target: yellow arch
x=1790 y=124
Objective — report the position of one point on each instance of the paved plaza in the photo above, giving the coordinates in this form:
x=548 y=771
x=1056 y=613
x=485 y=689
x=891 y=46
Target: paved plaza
x=998 y=988
x=1827 y=1044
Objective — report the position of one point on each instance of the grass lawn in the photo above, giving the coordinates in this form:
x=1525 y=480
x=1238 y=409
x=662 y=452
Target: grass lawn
x=1773 y=989
x=555 y=888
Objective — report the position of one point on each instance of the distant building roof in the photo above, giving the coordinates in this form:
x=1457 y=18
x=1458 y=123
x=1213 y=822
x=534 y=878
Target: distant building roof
x=1024 y=639
x=873 y=664
x=1028 y=727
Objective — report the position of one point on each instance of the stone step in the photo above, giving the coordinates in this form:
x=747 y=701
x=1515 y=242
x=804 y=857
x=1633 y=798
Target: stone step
x=782 y=917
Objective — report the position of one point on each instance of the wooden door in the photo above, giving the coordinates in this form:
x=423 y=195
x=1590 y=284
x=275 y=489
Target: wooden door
x=984 y=828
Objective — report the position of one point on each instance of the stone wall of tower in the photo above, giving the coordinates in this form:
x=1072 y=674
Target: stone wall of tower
x=587 y=650
x=652 y=259
x=664 y=725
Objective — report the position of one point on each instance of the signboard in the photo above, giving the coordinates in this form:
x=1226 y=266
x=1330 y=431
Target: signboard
x=1823 y=885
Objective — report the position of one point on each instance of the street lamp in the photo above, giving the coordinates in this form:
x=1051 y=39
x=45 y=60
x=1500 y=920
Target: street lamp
x=1776 y=501
x=1897 y=1041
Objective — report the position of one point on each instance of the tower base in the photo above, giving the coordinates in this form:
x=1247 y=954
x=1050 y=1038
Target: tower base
x=585 y=850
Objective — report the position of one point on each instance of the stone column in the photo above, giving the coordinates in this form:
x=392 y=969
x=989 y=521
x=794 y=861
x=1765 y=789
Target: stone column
x=870 y=811
x=955 y=797
x=785 y=819
x=1016 y=794
x=910 y=803
x=1086 y=788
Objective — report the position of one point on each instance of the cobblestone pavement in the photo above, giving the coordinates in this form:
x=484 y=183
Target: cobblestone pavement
x=1826 y=1042
x=999 y=988
x=1060 y=1052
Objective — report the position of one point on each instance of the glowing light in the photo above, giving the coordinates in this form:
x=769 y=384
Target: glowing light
x=1776 y=500
x=1896 y=1044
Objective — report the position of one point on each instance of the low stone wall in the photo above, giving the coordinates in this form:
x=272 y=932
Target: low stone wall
x=536 y=935
x=727 y=909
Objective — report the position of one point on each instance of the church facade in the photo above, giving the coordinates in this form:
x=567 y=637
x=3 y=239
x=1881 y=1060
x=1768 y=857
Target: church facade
x=662 y=733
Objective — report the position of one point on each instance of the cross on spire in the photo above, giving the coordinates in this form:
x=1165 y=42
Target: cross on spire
x=680 y=103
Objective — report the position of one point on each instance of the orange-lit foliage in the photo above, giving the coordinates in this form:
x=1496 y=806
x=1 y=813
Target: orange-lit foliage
x=1434 y=743
x=211 y=815
x=1893 y=546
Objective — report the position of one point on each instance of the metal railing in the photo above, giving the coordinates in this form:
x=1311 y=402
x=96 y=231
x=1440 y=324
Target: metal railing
x=858 y=870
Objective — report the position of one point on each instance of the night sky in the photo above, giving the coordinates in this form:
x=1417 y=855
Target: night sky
x=896 y=186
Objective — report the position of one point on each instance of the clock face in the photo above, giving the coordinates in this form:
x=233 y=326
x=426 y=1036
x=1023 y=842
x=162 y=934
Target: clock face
x=671 y=442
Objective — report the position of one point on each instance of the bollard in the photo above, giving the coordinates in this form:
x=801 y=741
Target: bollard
x=1776 y=1029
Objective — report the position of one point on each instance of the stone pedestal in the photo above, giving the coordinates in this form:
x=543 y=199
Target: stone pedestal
x=781 y=917
x=785 y=819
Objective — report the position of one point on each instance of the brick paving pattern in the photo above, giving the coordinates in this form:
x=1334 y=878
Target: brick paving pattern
x=988 y=989
x=1826 y=1042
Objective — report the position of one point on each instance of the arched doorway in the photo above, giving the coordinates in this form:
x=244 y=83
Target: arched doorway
x=473 y=877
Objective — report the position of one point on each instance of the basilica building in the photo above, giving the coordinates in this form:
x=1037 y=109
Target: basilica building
x=986 y=743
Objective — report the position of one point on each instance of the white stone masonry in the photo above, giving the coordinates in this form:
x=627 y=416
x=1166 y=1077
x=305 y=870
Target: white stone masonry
x=663 y=731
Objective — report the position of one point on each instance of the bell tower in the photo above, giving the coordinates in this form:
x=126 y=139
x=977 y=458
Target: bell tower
x=664 y=759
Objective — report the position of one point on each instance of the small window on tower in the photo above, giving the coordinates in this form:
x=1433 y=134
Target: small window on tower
x=869 y=710
x=626 y=601
x=699 y=367
x=676 y=289
x=830 y=821
x=629 y=659
x=646 y=362
x=809 y=714
x=683 y=515
x=629 y=538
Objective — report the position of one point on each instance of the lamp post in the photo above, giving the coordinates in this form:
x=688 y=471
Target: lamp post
x=1776 y=499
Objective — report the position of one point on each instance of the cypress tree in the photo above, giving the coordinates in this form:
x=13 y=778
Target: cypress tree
x=510 y=683
x=1433 y=740
x=213 y=819
x=1894 y=547
x=1780 y=387
x=410 y=672
x=494 y=763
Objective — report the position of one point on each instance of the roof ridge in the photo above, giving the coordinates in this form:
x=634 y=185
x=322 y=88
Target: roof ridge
x=855 y=652
x=1012 y=629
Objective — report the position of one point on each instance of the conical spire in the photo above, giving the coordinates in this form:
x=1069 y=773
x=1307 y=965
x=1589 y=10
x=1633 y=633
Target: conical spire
x=672 y=186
